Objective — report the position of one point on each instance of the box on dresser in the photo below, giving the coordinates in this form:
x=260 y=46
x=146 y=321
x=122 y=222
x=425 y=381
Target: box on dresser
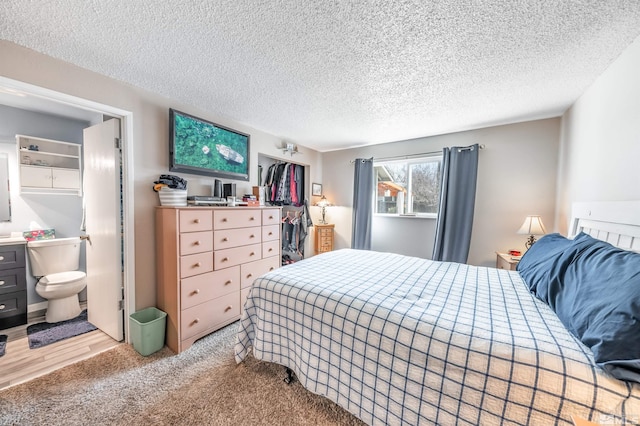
x=207 y=259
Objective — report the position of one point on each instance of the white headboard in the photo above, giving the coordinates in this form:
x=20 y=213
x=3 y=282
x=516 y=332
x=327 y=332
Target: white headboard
x=616 y=222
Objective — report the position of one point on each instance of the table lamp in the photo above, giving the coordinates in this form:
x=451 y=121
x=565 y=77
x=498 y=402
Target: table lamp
x=323 y=203
x=532 y=226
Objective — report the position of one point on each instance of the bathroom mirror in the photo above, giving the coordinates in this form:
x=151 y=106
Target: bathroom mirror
x=5 y=199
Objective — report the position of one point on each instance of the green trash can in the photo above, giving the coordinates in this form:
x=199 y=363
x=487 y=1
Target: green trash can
x=147 y=329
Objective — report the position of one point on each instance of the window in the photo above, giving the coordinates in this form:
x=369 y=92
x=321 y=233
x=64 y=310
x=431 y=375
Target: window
x=410 y=186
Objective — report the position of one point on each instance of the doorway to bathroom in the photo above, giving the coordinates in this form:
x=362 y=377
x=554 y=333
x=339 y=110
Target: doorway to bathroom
x=107 y=315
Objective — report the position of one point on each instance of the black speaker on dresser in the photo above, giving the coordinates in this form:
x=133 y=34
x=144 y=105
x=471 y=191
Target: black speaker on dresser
x=229 y=190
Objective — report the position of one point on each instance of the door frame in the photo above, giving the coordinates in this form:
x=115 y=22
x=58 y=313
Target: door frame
x=126 y=124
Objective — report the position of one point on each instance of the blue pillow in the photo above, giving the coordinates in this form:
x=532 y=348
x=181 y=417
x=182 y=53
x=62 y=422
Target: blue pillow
x=538 y=265
x=595 y=291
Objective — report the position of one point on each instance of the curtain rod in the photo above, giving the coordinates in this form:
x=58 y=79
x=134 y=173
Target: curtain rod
x=404 y=157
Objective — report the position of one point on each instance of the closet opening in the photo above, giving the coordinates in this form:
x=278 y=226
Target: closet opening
x=285 y=183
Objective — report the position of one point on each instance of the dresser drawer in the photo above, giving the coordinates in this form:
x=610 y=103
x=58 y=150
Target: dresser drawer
x=195 y=264
x=271 y=232
x=195 y=220
x=12 y=256
x=13 y=309
x=235 y=256
x=207 y=315
x=196 y=242
x=243 y=296
x=270 y=217
x=250 y=271
x=325 y=242
x=228 y=219
x=229 y=238
x=200 y=288
x=12 y=280
x=327 y=233
x=270 y=248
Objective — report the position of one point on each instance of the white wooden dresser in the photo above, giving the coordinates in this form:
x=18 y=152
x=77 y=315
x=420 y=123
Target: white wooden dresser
x=207 y=259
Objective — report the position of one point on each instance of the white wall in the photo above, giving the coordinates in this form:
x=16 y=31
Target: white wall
x=600 y=142
x=150 y=142
x=516 y=177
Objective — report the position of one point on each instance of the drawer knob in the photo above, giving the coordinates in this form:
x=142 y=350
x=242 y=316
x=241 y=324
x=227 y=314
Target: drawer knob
x=196 y=221
x=195 y=321
x=224 y=259
x=249 y=275
x=2 y=307
x=252 y=218
x=270 y=217
x=252 y=236
x=225 y=239
x=270 y=233
x=228 y=308
x=196 y=243
x=270 y=249
x=224 y=219
x=196 y=291
x=271 y=269
x=252 y=254
x=228 y=282
x=196 y=265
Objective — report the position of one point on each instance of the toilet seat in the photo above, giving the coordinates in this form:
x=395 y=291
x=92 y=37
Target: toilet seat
x=69 y=277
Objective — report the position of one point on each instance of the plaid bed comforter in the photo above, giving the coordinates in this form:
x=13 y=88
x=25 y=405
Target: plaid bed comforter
x=402 y=340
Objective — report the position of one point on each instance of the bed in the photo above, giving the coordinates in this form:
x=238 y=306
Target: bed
x=402 y=340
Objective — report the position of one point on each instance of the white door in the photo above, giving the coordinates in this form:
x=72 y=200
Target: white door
x=101 y=182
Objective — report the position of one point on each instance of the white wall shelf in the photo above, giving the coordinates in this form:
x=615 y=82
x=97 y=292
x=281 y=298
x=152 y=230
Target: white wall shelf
x=49 y=166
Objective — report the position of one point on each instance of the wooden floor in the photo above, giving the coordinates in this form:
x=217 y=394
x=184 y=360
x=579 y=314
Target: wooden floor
x=21 y=364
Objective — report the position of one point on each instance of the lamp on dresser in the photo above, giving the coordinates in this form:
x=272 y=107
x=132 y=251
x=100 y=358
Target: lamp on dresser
x=323 y=204
x=532 y=226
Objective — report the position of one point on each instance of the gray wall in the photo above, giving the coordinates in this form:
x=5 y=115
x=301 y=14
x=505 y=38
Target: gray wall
x=516 y=178
x=60 y=212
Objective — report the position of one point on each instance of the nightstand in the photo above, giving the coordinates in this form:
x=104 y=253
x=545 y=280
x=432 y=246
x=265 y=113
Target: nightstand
x=324 y=238
x=506 y=261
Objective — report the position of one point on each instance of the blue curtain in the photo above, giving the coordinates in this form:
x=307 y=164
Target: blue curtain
x=457 y=201
x=362 y=204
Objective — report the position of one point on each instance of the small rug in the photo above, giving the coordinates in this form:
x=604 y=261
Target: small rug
x=45 y=333
x=3 y=343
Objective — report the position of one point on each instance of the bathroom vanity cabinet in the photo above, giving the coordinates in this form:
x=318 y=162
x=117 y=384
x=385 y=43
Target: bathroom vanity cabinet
x=13 y=285
x=49 y=166
x=207 y=259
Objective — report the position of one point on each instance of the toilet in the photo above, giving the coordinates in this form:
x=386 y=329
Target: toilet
x=54 y=262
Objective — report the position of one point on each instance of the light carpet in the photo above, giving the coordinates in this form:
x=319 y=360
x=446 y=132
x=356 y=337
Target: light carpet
x=201 y=386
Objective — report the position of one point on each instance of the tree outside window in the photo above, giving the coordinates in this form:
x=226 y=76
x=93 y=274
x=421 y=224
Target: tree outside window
x=410 y=186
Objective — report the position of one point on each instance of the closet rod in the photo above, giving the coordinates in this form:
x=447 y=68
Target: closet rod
x=421 y=154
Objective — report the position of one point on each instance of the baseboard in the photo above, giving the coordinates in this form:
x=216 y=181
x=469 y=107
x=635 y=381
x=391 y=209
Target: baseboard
x=37 y=309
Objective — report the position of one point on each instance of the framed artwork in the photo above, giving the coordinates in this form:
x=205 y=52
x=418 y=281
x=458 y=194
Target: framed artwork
x=316 y=189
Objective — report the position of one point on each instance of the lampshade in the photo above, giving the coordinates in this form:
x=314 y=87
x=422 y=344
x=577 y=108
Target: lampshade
x=323 y=202
x=532 y=226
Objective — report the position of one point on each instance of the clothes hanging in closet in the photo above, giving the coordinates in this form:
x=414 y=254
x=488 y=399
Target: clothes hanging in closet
x=295 y=228
x=285 y=184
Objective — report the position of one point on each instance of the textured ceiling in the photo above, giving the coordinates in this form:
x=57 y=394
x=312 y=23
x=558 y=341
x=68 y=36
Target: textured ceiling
x=330 y=74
